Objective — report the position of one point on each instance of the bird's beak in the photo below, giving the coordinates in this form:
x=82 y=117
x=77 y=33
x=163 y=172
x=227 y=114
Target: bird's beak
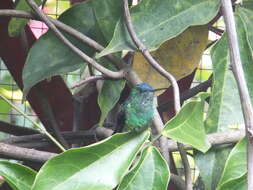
x=157 y=89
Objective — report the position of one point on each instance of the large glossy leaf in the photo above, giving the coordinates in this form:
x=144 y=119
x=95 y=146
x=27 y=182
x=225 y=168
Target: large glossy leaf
x=236 y=163
x=107 y=13
x=243 y=20
x=151 y=173
x=224 y=111
x=216 y=158
x=49 y=56
x=100 y=166
x=109 y=95
x=246 y=17
x=228 y=103
x=188 y=125
x=17 y=176
x=237 y=184
x=225 y=107
x=156 y=21
x=235 y=169
x=16 y=25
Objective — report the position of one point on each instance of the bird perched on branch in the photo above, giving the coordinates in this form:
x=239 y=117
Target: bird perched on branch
x=138 y=109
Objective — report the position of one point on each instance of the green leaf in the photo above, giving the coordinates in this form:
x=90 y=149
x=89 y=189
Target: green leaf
x=49 y=56
x=225 y=107
x=151 y=173
x=107 y=13
x=245 y=37
x=16 y=25
x=246 y=17
x=188 y=126
x=224 y=111
x=247 y=4
x=17 y=176
x=156 y=21
x=237 y=184
x=216 y=158
x=109 y=95
x=100 y=166
x=236 y=164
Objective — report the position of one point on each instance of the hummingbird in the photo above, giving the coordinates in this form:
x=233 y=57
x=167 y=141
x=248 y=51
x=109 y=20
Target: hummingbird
x=138 y=109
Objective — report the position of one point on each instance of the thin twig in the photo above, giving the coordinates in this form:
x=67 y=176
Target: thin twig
x=173 y=81
x=186 y=164
x=241 y=83
x=89 y=79
x=43 y=4
x=216 y=30
x=210 y=44
x=86 y=58
x=41 y=129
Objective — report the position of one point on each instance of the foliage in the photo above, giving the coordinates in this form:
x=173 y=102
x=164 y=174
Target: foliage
x=187 y=126
x=176 y=32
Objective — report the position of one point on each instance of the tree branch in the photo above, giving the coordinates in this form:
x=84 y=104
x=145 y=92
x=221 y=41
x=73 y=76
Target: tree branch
x=16 y=130
x=24 y=154
x=177 y=181
x=100 y=132
x=241 y=82
x=173 y=81
x=214 y=139
x=38 y=141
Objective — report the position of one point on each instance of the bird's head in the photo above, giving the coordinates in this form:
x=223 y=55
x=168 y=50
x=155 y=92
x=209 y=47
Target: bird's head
x=144 y=87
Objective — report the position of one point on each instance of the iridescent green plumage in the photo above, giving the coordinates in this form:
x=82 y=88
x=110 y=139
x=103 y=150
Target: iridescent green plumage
x=138 y=109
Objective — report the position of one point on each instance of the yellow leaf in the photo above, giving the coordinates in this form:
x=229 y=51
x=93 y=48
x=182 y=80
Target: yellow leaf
x=179 y=56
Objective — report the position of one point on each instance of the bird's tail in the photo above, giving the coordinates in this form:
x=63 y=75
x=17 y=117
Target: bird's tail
x=120 y=122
